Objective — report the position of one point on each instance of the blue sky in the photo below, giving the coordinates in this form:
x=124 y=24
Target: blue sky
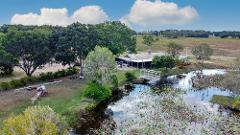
x=214 y=15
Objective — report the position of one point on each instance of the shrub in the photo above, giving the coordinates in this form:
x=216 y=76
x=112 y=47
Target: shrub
x=174 y=49
x=32 y=79
x=46 y=76
x=202 y=52
x=91 y=106
x=24 y=81
x=148 y=39
x=114 y=81
x=35 y=120
x=96 y=91
x=164 y=62
x=5 y=86
x=59 y=74
x=130 y=76
x=42 y=77
x=5 y=69
x=62 y=73
x=16 y=83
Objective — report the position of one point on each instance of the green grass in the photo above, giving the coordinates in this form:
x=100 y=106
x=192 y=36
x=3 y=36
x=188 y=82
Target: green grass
x=174 y=71
x=65 y=98
x=225 y=50
x=121 y=75
x=63 y=104
x=162 y=42
x=226 y=101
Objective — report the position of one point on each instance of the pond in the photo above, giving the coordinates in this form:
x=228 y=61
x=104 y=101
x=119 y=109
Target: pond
x=184 y=111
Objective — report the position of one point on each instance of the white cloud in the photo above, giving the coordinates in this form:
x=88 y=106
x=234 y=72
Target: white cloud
x=155 y=13
x=50 y=16
x=90 y=15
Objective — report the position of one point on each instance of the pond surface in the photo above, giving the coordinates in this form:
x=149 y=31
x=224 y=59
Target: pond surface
x=131 y=109
x=200 y=97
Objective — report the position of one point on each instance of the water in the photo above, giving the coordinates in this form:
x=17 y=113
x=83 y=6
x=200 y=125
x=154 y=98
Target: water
x=125 y=109
x=142 y=104
x=201 y=97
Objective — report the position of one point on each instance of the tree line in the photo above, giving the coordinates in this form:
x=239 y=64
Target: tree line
x=30 y=47
x=192 y=33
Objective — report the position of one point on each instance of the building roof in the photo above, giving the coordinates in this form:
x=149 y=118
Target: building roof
x=141 y=57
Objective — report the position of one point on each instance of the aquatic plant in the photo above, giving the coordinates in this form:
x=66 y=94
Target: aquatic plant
x=166 y=113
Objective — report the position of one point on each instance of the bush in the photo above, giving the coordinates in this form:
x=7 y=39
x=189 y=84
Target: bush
x=35 y=120
x=24 y=81
x=174 y=49
x=130 y=76
x=202 y=52
x=16 y=83
x=59 y=74
x=96 y=91
x=164 y=62
x=5 y=86
x=114 y=82
x=5 y=69
x=46 y=76
x=49 y=76
x=91 y=106
x=32 y=79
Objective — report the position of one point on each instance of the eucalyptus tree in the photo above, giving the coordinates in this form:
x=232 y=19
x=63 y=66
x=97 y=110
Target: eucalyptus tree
x=116 y=36
x=30 y=48
x=6 y=60
x=74 y=43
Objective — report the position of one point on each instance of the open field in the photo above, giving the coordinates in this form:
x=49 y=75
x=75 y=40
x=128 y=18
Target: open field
x=222 y=47
x=225 y=50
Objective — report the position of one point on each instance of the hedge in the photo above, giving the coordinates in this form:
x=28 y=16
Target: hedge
x=49 y=76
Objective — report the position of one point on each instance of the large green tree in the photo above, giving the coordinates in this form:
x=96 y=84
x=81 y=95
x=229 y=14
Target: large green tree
x=6 y=59
x=100 y=64
x=74 y=43
x=30 y=48
x=116 y=36
x=174 y=49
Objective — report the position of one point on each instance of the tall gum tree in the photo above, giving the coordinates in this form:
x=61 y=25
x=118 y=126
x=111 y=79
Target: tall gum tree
x=74 y=43
x=116 y=36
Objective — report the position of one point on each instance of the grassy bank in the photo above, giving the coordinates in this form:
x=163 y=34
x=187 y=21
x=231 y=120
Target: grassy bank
x=227 y=102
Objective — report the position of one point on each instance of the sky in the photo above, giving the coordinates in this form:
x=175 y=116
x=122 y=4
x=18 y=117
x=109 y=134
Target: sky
x=140 y=15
